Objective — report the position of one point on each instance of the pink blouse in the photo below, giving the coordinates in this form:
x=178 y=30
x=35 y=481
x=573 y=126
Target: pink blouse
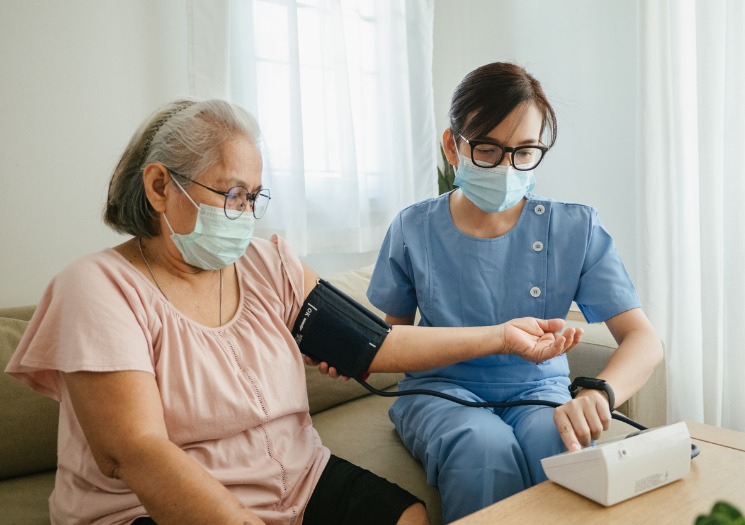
x=234 y=397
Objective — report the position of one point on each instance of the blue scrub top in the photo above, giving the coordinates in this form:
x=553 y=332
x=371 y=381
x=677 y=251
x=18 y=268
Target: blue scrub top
x=558 y=252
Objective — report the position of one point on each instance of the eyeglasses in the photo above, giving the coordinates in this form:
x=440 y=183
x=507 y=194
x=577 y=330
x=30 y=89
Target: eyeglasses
x=236 y=198
x=487 y=154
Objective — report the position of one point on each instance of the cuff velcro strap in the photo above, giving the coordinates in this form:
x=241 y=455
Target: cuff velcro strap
x=334 y=328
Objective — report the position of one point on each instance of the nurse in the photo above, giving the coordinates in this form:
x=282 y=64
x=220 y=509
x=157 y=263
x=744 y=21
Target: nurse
x=491 y=251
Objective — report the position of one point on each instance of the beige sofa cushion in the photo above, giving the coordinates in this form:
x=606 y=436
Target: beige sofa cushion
x=28 y=421
x=25 y=500
x=362 y=433
x=354 y=283
x=324 y=392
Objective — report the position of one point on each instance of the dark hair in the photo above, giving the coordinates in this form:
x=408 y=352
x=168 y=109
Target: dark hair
x=486 y=95
x=186 y=136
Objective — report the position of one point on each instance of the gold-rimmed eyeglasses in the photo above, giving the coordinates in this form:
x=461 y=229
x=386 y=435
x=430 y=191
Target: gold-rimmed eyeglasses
x=237 y=198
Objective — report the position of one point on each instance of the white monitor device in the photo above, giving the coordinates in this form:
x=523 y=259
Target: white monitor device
x=620 y=469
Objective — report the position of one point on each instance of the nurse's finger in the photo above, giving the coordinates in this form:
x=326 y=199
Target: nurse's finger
x=566 y=430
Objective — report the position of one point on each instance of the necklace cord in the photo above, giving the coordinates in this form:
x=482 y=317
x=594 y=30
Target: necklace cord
x=155 y=279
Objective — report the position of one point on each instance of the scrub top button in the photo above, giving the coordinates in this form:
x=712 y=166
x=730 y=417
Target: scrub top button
x=537 y=246
x=539 y=209
x=535 y=291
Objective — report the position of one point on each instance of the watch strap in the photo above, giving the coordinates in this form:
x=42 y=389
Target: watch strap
x=593 y=384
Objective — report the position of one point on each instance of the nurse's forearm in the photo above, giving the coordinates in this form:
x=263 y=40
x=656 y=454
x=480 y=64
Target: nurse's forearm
x=638 y=354
x=411 y=349
x=414 y=348
x=632 y=364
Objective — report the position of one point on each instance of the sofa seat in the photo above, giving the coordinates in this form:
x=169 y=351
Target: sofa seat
x=24 y=499
x=361 y=433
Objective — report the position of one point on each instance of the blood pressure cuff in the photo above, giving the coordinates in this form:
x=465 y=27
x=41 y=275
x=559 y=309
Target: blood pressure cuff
x=334 y=328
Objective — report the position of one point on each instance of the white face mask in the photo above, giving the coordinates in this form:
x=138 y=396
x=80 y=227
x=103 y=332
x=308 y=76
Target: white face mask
x=492 y=189
x=216 y=241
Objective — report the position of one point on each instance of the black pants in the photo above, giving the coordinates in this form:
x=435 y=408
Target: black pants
x=349 y=495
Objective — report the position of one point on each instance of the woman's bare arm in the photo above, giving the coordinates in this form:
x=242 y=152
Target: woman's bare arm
x=122 y=418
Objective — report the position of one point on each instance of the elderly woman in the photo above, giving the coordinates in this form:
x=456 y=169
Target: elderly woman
x=182 y=389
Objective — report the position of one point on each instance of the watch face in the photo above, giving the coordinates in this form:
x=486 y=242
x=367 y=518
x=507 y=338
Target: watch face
x=589 y=382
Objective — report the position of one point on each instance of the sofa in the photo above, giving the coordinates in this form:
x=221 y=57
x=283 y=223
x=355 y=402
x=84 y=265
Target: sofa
x=353 y=423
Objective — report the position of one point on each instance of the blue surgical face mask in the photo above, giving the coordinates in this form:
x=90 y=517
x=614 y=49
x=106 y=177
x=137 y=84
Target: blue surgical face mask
x=492 y=189
x=216 y=241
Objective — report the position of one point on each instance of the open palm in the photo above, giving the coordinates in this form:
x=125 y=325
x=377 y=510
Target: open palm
x=538 y=340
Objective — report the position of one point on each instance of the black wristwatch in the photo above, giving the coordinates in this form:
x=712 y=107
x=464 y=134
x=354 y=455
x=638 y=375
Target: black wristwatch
x=593 y=383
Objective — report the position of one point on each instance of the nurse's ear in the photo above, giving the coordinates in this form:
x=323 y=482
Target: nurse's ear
x=448 y=145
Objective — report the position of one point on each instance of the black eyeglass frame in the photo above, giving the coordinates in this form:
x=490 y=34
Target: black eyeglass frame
x=505 y=150
x=263 y=192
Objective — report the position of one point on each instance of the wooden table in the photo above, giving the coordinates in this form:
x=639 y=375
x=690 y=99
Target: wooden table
x=718 y=473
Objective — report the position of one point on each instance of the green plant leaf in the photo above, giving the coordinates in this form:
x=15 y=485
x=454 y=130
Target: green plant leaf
x=722 y=513
x=445 y=175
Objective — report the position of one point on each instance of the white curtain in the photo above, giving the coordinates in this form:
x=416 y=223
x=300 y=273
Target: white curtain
x=692 y=176
x=342 y=90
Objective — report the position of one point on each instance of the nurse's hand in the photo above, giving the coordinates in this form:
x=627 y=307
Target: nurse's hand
x=539 y=340
x=583 y=419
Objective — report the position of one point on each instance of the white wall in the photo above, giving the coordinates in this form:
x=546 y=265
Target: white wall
x=584 y=54
x=79 y=76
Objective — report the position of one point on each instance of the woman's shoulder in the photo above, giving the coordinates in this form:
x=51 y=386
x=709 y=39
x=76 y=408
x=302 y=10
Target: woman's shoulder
x=104 y=265
x=100 y=282
x=274 y=249
x=273 y=260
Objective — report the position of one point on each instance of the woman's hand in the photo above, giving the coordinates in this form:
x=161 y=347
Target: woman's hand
x=324 y=368
x=583 y=419
x=538 y=340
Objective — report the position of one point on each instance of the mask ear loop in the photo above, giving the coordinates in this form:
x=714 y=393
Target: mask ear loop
x=184 y=191
x=168 y=223
x=455 y=144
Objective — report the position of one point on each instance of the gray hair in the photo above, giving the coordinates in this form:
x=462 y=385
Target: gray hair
x=186 y=136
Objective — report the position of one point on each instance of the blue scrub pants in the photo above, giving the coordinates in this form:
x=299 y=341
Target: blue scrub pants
x=477 y=456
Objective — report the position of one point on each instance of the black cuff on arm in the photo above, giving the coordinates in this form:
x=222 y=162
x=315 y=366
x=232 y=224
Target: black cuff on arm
x=334 y=328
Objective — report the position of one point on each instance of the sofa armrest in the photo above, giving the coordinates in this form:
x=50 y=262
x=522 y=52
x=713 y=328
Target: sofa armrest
x=28 y=421
x=23 y=313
